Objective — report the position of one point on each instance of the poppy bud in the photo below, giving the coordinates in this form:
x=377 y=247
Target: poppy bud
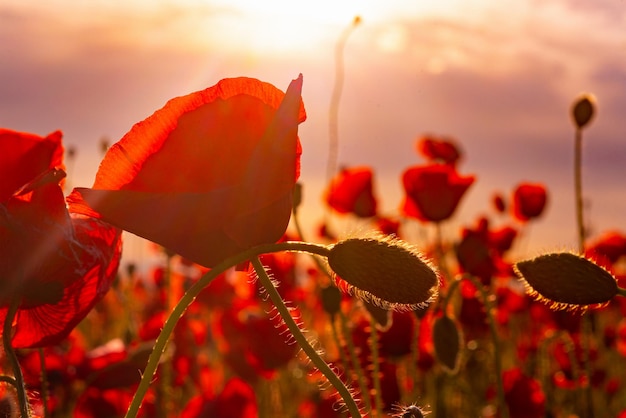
x=447 y=342
x=331 y=299
x=380 y=317
x=583 y=110
x=411 y=411
x=567 y=281
x=385 y=271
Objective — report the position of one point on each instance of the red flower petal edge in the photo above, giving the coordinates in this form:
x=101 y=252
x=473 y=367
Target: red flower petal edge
x=208 y=175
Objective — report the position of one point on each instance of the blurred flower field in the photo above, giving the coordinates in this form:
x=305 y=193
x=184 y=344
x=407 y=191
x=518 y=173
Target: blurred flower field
x=247 y=317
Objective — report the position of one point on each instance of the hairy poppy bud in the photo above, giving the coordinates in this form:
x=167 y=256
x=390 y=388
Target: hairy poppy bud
x=410 y=411
x=567 y=281
x=583 y=110
x=447 y=341
x=385 y=271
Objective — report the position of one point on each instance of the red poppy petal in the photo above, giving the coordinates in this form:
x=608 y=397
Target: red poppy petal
x=195 y=225
x=188 y=145
x=24 y=156
x=47 y=324
x=207 y=176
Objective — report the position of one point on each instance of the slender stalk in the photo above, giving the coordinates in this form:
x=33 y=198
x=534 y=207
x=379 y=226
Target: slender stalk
x=578 y=188
x=322 y=366
x=333 y=111
x=356 y=364
x=580 y=226
x=190 y=295
x=44 y=383
x=338 y=343
x=497 y=354
x=378 y=398
x=12 y=357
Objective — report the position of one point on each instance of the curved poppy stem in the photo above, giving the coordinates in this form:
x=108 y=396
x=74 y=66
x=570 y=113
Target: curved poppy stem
x=15 y=364
x=189 y=296
x=297 y=334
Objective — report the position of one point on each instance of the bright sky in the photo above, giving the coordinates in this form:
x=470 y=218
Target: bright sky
x=497 y=75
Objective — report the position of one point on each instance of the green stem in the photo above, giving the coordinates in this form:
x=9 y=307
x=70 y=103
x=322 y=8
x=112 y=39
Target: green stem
x=497 y=355
x=621 y=291
x=580 y=227
x=378 y=399
x=356 y=363
x=340 y=346
x=44 y=383
x=12 y=357
x=296 y=332
x=587 y=319
x=190 y=295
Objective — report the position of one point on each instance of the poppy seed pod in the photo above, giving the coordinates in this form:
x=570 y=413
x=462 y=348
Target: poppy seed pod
x=567 y=281
x=583 y=110
x=385 y=271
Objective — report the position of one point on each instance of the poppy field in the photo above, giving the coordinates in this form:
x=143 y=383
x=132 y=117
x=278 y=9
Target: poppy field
x=249 y=317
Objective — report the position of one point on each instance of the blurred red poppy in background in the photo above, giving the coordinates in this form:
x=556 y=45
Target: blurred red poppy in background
x=54 y=265
x=208 y=175
x=529 y=201
x=523 y=394
x=351 y=191
x=438 y=149
x=432 y=192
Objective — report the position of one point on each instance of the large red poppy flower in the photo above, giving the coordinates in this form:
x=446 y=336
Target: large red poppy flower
x=351 y=191
x=432 y=192
x=529 y=201
x=55 y=265
x=208 y=175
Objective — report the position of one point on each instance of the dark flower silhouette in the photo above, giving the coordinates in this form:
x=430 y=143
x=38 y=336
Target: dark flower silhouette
x=54 y=265
x=529 y=201
x=433 y=192
x=208 y=175
x=351 y=192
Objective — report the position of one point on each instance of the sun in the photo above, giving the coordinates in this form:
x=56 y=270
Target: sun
x=278 y=26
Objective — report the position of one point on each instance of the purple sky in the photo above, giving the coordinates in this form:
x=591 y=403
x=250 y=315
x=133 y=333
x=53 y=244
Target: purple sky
x=499 y=77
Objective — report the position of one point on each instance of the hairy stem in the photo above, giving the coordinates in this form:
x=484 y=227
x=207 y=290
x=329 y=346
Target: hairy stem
x=189 y=297
x=296 y=332
x=378 y=398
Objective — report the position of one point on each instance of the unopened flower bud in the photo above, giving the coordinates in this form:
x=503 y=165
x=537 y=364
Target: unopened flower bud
x=583 y=110
x=567 y=281
x=331 y=299
x=385 y=271
x=447 y=342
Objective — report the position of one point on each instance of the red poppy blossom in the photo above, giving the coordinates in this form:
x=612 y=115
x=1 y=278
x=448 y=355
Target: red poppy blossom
x=432 y=192
x=529 y=201
x=207 y=176
x=523 y=395
x=55 y=264
x=438 y=149
x=351 y=192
